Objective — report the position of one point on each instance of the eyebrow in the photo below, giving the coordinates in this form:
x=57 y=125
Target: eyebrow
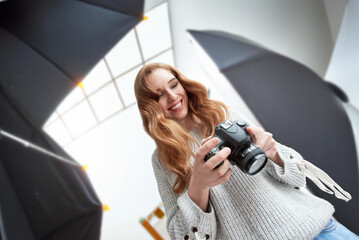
x=172 y=79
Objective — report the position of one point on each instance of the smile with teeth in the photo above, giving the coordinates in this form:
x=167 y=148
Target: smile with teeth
x=177 y=106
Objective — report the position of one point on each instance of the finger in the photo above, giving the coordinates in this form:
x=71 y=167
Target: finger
x=266 y=141
x=222 y=169
x=226 y=176
x=260 y=137
x=206 y=147
x=206 y=139
x=218 y=158
x=222 y=179
x=252 y=129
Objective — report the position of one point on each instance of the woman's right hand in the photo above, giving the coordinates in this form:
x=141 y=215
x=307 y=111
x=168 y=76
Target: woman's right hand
x=205 y=175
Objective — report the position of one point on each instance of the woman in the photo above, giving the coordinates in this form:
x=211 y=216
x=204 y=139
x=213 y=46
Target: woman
x=204 y=202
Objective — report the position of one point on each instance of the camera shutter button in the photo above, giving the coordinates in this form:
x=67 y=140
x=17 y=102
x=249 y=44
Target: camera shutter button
x=215 y=150
x=241 y=123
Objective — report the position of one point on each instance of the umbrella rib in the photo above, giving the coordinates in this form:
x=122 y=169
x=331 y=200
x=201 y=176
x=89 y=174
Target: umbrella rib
x=39 y=149
x=41 y=54
x=28 y=121
x=108 y=8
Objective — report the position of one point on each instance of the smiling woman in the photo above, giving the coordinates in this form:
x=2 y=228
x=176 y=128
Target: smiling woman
x=171 y=105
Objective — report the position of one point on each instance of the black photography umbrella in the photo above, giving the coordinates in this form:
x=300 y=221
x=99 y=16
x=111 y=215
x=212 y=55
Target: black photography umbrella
x=46 y=48
x=296 y=105
x=52 y=45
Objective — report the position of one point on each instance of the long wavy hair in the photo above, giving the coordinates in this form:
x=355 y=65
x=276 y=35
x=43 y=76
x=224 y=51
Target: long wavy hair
x=174 y=144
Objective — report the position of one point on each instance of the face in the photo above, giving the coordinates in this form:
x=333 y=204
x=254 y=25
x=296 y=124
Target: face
x=173 y=99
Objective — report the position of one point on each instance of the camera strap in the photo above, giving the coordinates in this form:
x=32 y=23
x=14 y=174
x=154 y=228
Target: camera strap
x=318 y=176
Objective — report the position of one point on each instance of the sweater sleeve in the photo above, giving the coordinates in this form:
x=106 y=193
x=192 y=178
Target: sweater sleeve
x=184 y=217
x=290 y=174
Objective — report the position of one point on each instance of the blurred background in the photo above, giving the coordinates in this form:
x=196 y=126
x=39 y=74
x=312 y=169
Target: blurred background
x=99 y=125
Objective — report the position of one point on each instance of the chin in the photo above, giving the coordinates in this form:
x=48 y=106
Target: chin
x=181 y=118
x=178 y=118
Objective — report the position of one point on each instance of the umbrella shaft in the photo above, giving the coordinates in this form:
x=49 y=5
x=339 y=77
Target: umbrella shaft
x=37 y=148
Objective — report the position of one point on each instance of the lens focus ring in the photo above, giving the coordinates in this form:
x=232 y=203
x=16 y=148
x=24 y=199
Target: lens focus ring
x=249 y=160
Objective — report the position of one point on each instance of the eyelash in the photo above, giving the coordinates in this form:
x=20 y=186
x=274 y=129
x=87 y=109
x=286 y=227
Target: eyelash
x=173 y=86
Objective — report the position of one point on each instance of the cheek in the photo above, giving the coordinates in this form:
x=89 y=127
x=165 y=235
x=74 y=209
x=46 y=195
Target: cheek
x=163 y=105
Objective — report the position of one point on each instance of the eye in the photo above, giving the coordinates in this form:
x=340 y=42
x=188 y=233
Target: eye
x=160 y=94
x=174 y=85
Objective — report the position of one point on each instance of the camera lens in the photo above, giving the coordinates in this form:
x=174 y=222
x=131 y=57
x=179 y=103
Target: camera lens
x=250 y=158
x=257 y=164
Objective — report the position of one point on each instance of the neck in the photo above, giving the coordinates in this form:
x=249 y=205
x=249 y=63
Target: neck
x=187 y=124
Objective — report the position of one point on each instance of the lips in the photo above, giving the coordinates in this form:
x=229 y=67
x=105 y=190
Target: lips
x=176 y=107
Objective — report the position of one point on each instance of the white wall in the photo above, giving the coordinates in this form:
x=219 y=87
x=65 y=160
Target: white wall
x=343 y=69
x=297 y=29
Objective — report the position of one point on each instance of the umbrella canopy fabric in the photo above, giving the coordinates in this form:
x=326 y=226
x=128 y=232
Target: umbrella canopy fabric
x=53 y=44
x=41 y=197
x=46 y=48
x=296 y=105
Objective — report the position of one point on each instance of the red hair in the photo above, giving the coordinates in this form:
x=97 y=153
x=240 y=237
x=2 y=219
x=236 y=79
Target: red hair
x=174 y=144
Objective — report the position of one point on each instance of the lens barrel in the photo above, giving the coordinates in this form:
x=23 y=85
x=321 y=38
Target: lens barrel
x=250 y=159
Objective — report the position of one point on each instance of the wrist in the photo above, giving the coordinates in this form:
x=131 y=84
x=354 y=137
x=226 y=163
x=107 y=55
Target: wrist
x=196 y=186
x=198 y=194
x=277 y=160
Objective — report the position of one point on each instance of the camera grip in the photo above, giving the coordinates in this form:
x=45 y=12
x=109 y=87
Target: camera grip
x=211 y=153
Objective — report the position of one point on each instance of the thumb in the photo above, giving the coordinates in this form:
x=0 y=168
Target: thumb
x=250 y=130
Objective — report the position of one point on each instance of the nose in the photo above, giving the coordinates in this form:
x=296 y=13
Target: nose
x=171 y=96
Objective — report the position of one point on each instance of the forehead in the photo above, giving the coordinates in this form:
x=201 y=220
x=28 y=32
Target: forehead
x=159 y=78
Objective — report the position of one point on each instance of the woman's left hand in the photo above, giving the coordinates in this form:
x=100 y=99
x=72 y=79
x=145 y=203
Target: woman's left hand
x=265 y=141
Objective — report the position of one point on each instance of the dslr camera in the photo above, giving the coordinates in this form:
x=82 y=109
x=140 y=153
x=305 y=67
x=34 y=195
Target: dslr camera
x=247 y=156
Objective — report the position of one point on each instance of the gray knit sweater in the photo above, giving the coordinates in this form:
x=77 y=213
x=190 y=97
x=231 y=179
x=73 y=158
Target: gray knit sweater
x=263 y=206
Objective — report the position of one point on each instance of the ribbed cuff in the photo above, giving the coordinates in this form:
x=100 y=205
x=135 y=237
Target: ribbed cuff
x=290 y=173
x=204 y=222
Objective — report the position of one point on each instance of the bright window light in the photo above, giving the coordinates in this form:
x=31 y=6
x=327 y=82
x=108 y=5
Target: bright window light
x=58 y=131
x=154 y=33
x=125 y=55
x=166 y=57
x=125 y=85
x=98 y=76
x=79 y=119
x=106 y=101
x=73 y=98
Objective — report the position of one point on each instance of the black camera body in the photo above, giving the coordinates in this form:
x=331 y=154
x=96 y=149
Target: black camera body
x=247 y=156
